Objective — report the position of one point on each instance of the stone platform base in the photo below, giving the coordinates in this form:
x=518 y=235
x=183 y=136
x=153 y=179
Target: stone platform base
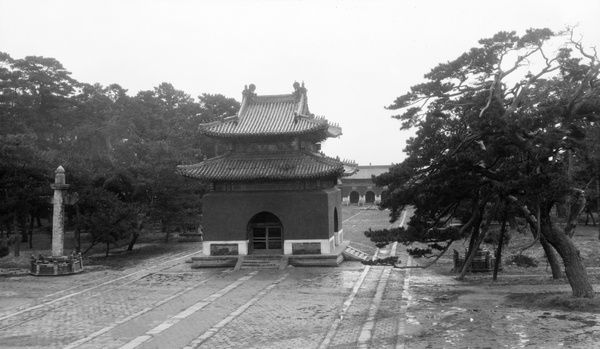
x=56 y=265
x=214 y=262
x=308 y=260
x=333 y=259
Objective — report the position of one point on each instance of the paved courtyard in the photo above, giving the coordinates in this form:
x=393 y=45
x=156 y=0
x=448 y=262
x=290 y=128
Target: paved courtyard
x=166 y=304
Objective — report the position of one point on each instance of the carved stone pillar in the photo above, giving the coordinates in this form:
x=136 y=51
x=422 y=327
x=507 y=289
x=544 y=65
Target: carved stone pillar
x=58 y=216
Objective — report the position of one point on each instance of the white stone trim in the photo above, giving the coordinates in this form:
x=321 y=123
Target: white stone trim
x=325 y=245
x=242 y=246
x=339 y=237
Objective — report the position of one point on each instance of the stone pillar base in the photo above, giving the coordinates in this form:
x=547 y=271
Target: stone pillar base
x=56 y=265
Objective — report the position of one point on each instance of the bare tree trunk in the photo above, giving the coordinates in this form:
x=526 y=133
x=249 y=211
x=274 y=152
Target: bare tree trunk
x=166 y=228
x=576 y=273
x=476 y=230
x=138 y=227
x=589 y=214
x=31 y=223
x=22 y=222
x=77 y=227
x=500 y=243
x=535 y=226
x=552 y=258
x=132 y=241
x=577 y=206
x=598 y=201
x=471 y=256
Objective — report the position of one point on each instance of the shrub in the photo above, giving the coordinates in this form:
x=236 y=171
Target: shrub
x=418 y=252
x=392 y=260
x=493 y=237
x=521 y=260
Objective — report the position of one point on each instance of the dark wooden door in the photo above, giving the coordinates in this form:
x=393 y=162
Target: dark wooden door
x=266 y=239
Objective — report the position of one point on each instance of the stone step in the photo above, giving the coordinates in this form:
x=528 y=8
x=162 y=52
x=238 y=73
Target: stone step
x=353 y=254
x=243 y=267
x=262 y=262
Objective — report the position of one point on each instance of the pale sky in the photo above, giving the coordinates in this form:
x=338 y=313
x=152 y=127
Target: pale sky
x=355 y=57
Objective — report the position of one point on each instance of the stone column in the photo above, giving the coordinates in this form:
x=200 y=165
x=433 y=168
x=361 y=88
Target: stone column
x=58 y=233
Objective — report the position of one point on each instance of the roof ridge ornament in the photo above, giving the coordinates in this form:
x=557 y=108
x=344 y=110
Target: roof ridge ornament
x=299 y=90
x=248 y=95
x=300 y=96
x=249 y=91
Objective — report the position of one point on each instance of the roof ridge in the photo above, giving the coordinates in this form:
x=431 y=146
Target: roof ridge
x=276 y=95
x=214 y=158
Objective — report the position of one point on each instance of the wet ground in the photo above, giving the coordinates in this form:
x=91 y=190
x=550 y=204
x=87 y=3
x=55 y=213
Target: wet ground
x=163 y=303
x=445 y=313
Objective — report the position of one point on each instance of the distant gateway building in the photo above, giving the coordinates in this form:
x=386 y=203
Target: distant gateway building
x=273 y=192
x=359 y=188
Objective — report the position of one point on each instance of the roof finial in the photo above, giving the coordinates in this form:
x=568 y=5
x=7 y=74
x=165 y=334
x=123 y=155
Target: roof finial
x=249 y=91
x=298 y=89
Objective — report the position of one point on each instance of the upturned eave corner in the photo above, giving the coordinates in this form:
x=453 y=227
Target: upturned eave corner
x=334 y=131
x=350 y=167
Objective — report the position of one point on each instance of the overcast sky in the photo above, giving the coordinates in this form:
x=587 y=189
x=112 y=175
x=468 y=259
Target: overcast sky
x=355 y=57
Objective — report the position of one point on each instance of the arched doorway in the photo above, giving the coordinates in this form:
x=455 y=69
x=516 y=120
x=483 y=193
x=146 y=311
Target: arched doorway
x=354 y=196
x=370 y=197
x=336 y=225
x=265 y=233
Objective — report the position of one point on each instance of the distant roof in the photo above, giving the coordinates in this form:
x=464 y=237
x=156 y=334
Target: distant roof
x=365 y=172
x=272 y=115
x=268 y=166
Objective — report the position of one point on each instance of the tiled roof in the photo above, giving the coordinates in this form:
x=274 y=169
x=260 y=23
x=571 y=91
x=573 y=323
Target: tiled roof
x=272 y=115
x=365 y=172
x=271 y=166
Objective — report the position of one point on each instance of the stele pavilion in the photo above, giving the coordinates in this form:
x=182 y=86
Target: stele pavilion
x=273 y=191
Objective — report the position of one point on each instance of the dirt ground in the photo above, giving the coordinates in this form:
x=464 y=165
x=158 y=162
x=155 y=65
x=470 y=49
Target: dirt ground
x=524 y=307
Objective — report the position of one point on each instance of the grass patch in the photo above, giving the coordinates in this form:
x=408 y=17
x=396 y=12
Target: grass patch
x=554 y=301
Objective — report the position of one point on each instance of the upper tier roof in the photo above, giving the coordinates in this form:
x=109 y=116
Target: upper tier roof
x=272 y=115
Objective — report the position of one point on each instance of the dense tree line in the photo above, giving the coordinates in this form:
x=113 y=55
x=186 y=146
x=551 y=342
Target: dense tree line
x=120 y=153
x=508 y=129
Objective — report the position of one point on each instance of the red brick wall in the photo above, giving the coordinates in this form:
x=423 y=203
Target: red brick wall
x=304 y=214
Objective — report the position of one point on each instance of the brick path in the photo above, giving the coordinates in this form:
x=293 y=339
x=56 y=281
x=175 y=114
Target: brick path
x=169 y=305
